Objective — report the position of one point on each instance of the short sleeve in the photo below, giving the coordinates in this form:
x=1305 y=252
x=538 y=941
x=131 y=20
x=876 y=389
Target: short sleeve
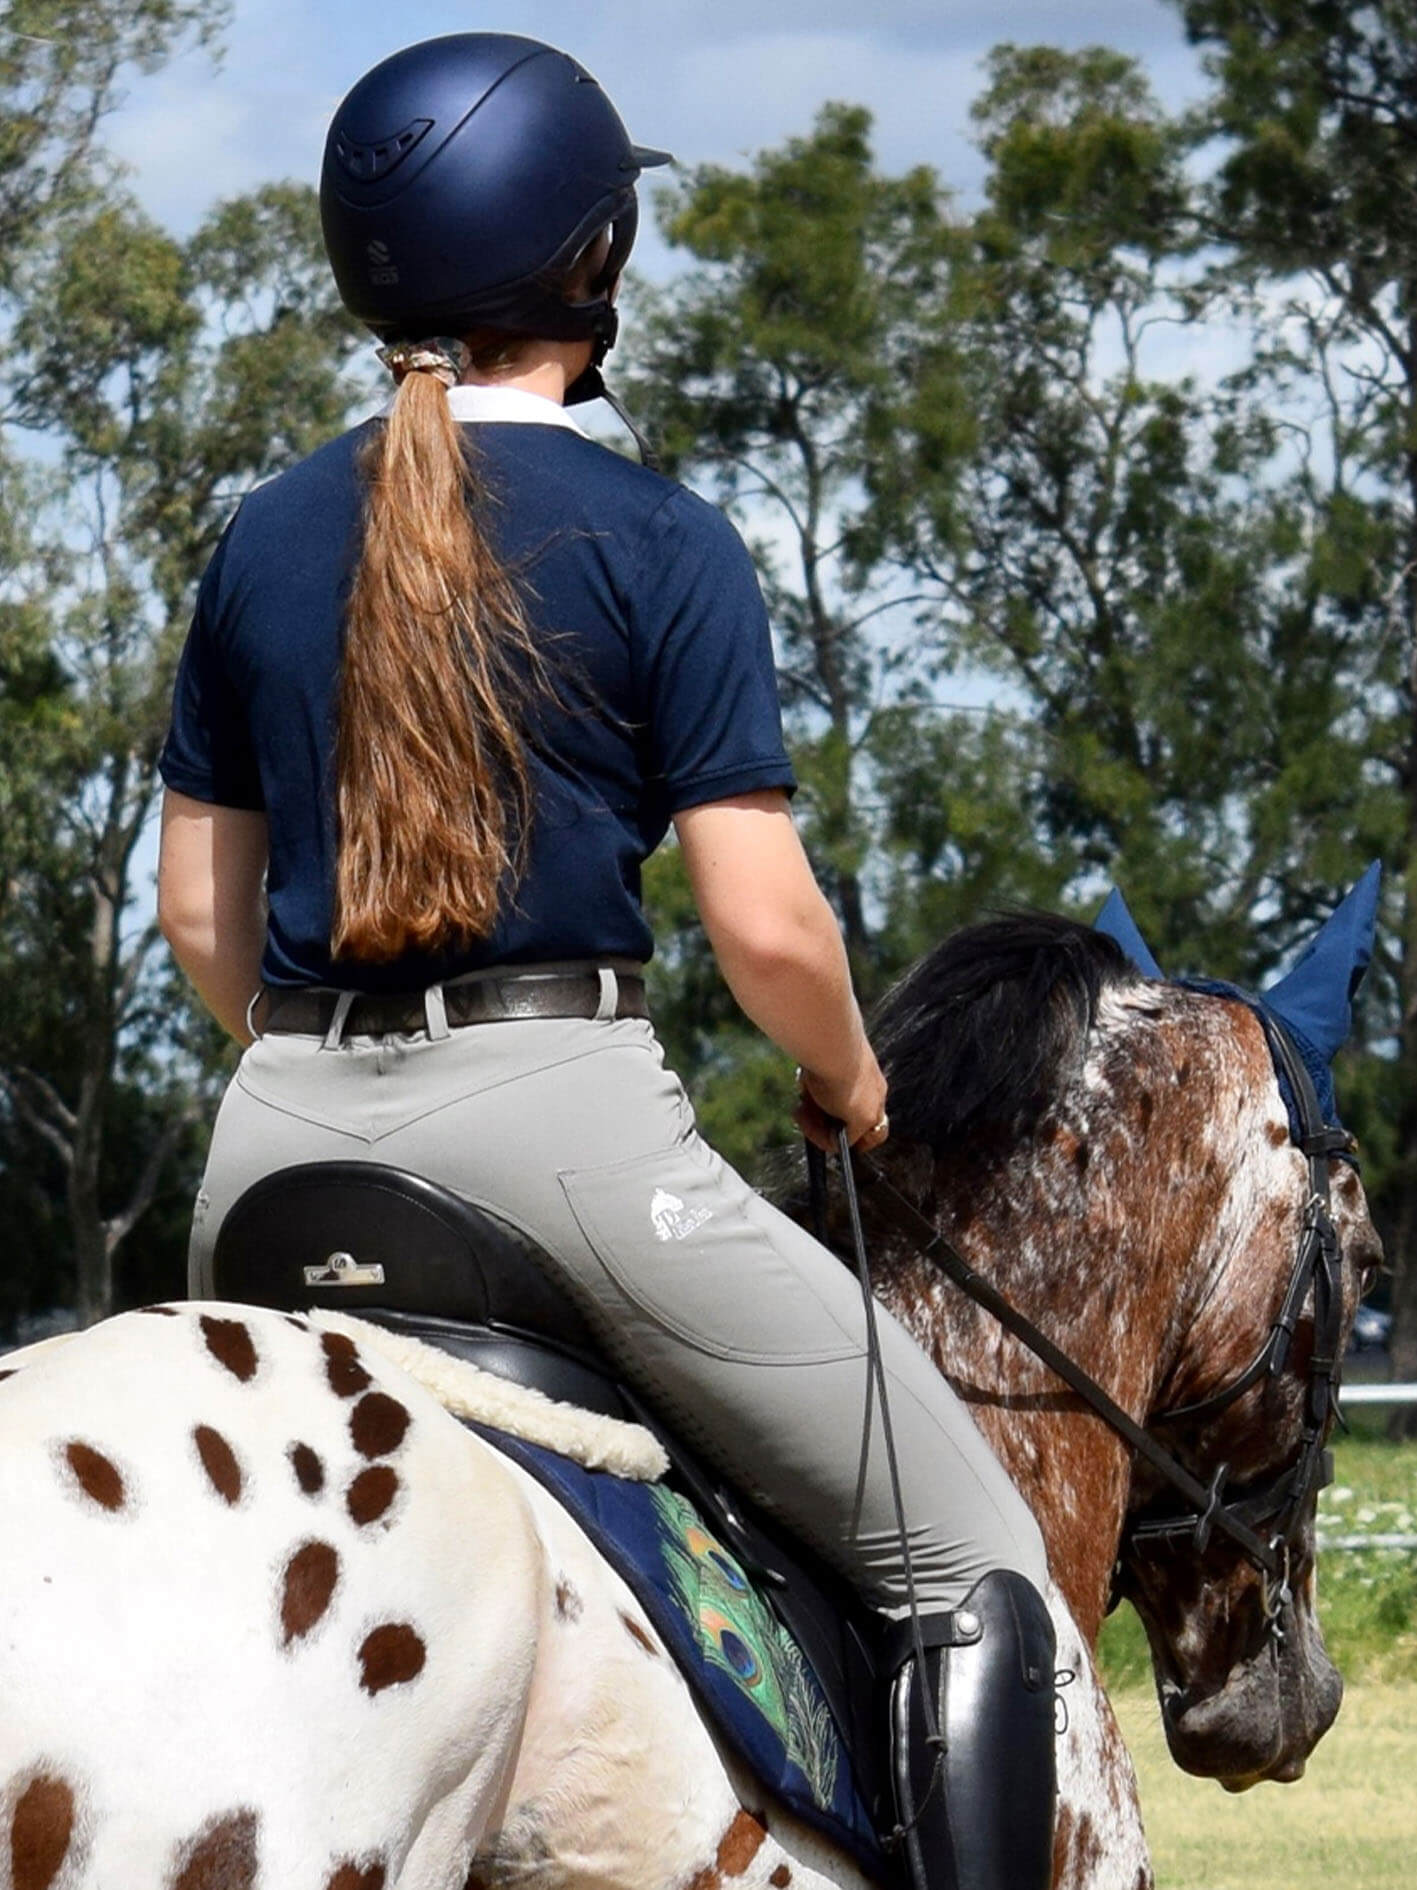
x=208 y=753
x=709 y=682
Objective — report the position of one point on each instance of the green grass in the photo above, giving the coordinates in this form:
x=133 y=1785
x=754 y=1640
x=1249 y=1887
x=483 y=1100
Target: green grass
x=1350 y=1822
x=1367 y=1597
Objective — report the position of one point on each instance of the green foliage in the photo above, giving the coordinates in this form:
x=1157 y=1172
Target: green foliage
x=61 y=62
x=1312 y=117
x=1082 y=159
x=161 y=378
x=1124 y=548
x=777 y=370
x=1314 y=99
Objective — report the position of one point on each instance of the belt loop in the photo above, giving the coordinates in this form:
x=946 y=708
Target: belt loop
x=256 y=996
x=334 y=1036
x=435 y=1013
x=609 y=994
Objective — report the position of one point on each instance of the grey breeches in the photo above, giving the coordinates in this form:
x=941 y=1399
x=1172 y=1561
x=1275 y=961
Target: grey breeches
x=732 y=1321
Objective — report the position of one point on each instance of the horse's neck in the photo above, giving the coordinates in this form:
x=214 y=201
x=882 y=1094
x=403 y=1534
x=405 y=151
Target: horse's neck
x=1057 y=1251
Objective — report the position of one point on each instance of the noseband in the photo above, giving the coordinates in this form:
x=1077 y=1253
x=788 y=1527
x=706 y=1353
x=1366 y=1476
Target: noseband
x=1264 y=1520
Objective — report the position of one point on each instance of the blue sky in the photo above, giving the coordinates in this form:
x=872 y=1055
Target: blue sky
x=708 y=79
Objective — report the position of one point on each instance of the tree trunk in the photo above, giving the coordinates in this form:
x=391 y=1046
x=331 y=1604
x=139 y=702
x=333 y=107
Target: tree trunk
x=93 y=1260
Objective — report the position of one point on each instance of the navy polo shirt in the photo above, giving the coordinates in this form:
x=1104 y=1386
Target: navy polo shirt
x=646 y=596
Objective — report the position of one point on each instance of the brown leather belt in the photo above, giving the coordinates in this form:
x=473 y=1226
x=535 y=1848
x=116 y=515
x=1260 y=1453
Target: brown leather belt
x=478 y=999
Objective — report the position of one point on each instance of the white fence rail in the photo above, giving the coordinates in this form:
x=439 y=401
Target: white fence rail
x=1372 y=1394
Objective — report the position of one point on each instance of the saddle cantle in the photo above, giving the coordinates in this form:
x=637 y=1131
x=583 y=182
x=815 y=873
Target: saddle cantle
x=407 y=1254
x=357 y=1237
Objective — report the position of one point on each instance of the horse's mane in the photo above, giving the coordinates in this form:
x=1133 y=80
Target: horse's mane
x=975 y=1038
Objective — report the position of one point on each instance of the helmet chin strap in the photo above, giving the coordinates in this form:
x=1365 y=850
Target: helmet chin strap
x=590 y=385
x=648 y=456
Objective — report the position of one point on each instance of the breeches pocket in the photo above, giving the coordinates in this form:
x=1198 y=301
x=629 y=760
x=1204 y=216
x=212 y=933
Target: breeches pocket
x=684 y=1240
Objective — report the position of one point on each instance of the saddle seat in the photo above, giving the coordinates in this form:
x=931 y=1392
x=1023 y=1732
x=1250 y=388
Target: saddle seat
x=402 y=1252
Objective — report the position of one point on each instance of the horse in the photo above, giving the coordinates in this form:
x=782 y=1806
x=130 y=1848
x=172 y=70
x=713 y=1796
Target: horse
x=269 y=1615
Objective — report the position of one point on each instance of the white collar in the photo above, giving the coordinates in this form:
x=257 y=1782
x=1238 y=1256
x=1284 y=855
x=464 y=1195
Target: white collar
x=509 y=403
x=484 y=402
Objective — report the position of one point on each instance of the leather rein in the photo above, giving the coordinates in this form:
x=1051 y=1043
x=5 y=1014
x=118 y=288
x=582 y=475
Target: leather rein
x=1264 y=1520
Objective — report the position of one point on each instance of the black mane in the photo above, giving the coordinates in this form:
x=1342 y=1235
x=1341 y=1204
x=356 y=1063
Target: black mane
x=974 y=1038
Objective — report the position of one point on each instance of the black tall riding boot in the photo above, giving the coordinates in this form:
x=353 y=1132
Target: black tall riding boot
x=982 y=1818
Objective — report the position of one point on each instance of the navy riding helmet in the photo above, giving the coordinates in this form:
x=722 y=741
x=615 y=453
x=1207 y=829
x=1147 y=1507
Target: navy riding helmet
x=462 y=178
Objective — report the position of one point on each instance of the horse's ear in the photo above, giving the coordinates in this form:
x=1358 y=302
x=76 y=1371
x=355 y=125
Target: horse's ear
x=1316 y=996
x=1117 y=922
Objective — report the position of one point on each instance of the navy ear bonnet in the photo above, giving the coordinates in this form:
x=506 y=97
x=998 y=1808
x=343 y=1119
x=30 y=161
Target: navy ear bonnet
x=1312 y=1003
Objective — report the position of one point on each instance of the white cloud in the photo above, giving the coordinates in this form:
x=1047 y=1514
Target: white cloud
x=713 y=79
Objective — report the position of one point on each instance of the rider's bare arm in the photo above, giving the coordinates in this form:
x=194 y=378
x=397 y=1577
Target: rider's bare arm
x=210 y=902
x=779 y=947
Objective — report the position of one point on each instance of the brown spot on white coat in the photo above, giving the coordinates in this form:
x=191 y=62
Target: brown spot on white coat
x=222 y=1856
x=371 y=1493
x=347 y=1377
x=219 y=1461
x=740 y=1843
x=352 y=1876
x=378 y=1424
x=97 y=1476
x=390 y=1656
x=308 y=1583
x=41 y=1831
x=637 y=1633
x=309 y=1471
x=230 y=1343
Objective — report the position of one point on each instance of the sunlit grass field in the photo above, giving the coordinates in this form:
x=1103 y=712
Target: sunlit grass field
x=1351 y=1822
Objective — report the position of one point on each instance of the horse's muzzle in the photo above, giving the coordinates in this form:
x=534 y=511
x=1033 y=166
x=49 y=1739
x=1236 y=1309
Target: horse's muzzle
x=1267 y=1718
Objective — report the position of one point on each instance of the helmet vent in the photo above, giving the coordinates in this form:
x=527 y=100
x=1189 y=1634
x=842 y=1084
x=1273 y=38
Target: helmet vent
x=367 y=163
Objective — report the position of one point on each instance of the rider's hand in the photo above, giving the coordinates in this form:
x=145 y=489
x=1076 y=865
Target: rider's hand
x=858 y=1105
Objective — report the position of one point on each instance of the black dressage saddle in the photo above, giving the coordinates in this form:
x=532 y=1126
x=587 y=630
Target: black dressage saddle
x=407 y=1254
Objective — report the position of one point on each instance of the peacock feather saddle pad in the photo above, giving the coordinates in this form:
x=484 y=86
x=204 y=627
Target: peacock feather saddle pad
x=750 y=1677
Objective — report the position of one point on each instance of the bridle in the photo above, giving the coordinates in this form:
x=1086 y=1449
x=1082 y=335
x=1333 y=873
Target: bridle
x=1275 y=1509
x=1264 y=1519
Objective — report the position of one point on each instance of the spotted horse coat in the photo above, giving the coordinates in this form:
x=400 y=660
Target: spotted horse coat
x=271 y=1619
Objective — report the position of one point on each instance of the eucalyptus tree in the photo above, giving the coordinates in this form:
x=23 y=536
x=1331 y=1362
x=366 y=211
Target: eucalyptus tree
x=63 y=64
x=1312 y=116
x=773 y=371
x=1119 y=536
x=145 y=383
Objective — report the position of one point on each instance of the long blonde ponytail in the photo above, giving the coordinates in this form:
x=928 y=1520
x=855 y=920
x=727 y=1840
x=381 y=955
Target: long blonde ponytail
x=440 y=667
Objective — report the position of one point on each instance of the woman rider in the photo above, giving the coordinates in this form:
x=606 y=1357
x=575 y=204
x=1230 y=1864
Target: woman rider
x=448 y=682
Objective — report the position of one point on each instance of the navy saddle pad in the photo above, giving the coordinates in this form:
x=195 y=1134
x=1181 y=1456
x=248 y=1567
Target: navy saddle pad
x=747 y=1671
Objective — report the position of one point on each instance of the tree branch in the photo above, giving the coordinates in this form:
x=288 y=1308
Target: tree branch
x=33 y=1118
x=117 y=1227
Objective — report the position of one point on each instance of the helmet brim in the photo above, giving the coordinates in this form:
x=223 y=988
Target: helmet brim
x=645 y=159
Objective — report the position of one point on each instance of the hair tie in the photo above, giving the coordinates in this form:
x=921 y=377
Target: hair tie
x=443 y=356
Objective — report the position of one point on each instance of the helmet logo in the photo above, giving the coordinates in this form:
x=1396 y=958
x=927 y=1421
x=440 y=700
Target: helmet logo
x=367 y=163
x=381 y=264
